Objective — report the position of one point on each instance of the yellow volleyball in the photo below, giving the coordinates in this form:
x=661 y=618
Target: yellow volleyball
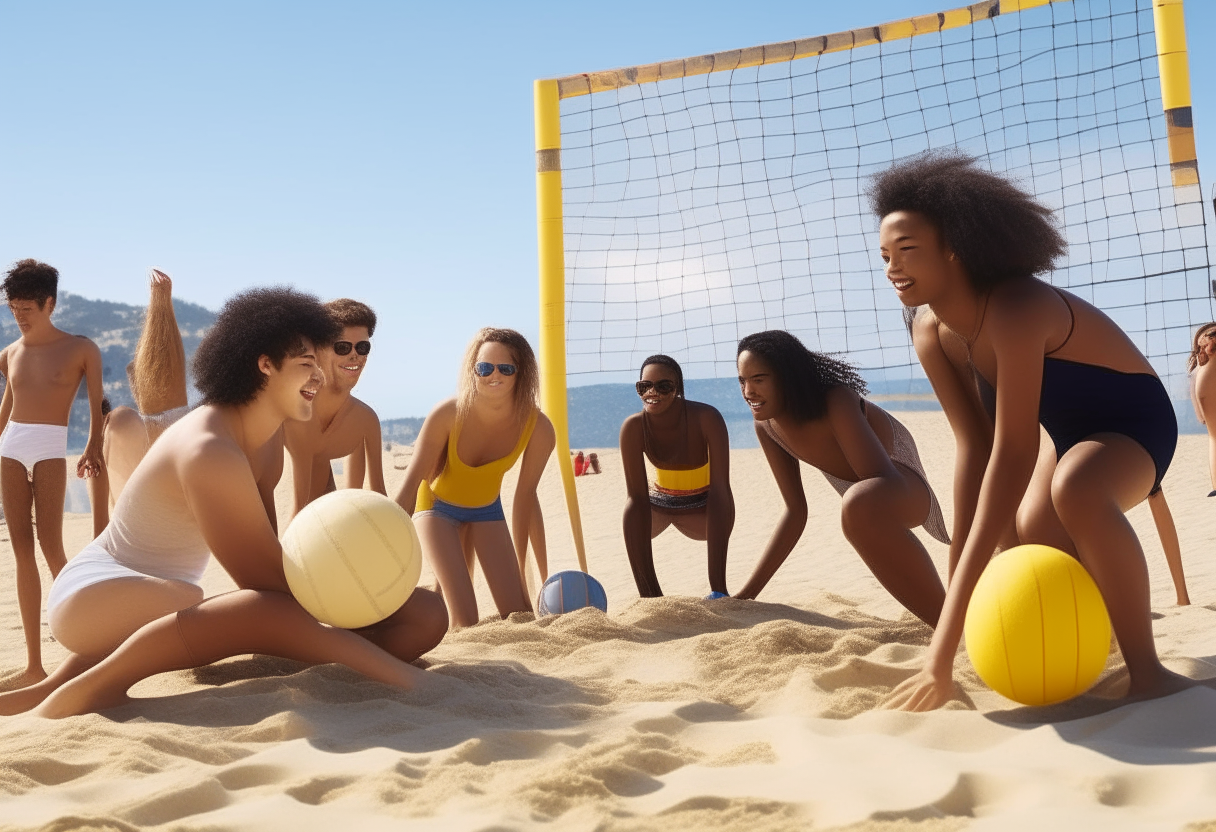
x=352 y=557
x=1037 y=629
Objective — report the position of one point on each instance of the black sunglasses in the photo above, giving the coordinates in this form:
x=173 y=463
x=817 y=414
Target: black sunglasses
x=485 y=368
x=360 y=347
x=664 y=387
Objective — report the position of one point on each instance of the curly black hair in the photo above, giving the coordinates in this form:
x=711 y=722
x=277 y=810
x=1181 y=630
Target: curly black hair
x=671 y=364
x=30 y=280
x=274 y=322
x=997 y=230
x=803 y=377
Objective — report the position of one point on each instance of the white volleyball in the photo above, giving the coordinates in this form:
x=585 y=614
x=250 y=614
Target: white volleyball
x=352 y=557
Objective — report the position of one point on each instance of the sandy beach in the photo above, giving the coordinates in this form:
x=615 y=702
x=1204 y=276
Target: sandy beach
x=665 y=714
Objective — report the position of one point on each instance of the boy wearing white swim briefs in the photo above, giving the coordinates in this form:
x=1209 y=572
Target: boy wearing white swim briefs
x=42 y=371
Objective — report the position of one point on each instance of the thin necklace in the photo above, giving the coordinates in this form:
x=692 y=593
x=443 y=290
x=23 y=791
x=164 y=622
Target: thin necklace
x=969 y=343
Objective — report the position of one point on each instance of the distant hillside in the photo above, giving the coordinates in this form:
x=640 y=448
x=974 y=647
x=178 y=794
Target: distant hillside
x=402 y=431
x=114 y=327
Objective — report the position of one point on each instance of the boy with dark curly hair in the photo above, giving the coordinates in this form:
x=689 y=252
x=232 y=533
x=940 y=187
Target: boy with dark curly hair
x=809 y=407
x=43 y=370
x=341 y=425
x=130 y=605
x=1006 y=353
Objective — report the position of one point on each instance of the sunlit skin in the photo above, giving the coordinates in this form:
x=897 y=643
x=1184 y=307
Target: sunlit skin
x=1203 y=395
x=42 y=370
x=683 y=435
x=1004 y=478
x=876 y=513
x=490 y=432
x=127 y=435
x=342 y=427
x=223 y=463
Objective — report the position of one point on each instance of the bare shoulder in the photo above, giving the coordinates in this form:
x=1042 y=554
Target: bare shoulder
x=1023 y=309
x=364 y=413
x=201 y=447
x=544 y=428
x=842 y=399
x=443 y=416
x=706 y=414
x=86 y=346
x=925 y=328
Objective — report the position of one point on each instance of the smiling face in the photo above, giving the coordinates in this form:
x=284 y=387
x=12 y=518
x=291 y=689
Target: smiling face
x=919 y=265
x=30 y=315
x=759 y=387
x=495 y=385
x=344 y=371
x=294 y=385
x=654 y=402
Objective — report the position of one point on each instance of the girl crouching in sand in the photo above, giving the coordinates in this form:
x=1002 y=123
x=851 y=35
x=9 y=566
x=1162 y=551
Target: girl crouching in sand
x=130 y=606
x=1006 y=352
x=808 y=407
x=453 y=481
x=681 y=439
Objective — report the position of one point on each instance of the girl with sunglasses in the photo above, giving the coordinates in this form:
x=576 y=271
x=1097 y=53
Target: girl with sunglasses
x=453 y=481
x=809 y=407
x=681 y=439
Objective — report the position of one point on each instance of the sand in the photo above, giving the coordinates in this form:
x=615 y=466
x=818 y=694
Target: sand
x=674 y=713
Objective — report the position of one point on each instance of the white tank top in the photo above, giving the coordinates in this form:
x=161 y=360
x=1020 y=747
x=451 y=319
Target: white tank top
x=157 y=535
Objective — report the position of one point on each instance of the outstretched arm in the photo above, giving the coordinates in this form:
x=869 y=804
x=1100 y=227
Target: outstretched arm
x=375 y=457
x=428 y=451
x=1168 y=532
x=91 y=463
x=636 y=520
x=793 y=519
x=720 y=508
x=1019 y=352
x=540 y=447
x=6 y=403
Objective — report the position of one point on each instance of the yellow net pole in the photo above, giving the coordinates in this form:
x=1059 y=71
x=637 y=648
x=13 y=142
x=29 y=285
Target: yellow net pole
x=551 y=250
x=1170 y=28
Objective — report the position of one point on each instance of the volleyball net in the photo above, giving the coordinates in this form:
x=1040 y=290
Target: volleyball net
x=685 y=204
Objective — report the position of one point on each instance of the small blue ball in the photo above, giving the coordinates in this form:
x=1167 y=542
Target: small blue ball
x=570 y=590
x=715 y=595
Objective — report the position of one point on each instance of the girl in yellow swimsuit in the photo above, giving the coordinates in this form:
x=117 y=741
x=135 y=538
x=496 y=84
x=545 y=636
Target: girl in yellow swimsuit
x=681 y=439
x=452 y=483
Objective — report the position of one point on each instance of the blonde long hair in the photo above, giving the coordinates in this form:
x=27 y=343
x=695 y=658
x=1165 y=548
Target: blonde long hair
x=527 y=375
x=1204 y=329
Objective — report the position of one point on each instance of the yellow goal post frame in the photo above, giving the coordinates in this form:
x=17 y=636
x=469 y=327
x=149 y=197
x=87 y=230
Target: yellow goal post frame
x=1172 y=65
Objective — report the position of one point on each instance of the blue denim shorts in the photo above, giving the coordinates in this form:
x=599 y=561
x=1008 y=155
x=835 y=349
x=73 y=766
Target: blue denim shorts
x=459 y=515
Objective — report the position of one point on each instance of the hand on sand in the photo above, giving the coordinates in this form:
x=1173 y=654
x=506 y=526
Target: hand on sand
x=922 y=692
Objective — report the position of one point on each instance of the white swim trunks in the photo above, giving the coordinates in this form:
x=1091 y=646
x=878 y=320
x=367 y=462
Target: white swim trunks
x=31 y=444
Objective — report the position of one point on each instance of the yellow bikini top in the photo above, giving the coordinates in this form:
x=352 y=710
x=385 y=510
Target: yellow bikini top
x=695 y=480
x=471 y=486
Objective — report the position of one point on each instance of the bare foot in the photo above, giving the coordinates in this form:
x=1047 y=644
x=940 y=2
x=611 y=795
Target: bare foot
x=1162 y=683
x=24 y=679
x=82 y=695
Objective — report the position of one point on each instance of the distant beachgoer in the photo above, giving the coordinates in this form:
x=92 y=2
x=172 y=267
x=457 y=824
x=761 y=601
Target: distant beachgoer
x=43 y=370
x=157 y=378
x=809 y=407
x=689 y=447
x=130 y=605
x=593 y=463
x=341 y=425
x=453 y=482
x=580 y=464
x=1006 y=353
x=1202 y=373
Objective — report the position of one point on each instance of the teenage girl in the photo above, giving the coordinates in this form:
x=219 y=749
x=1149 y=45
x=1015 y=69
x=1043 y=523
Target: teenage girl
x=809 y=407
x=1006 y=352
x=453 y=481
x=682 y=439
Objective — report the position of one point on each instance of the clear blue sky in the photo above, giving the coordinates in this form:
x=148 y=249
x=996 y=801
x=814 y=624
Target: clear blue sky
x=378 y=150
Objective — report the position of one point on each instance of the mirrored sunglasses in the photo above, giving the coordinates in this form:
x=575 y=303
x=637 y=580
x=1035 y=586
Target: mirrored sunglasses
x=664 y=387
x=360 y=347
x=485 y=368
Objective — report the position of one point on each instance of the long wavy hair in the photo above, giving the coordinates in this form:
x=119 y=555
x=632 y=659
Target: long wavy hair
x=803 y=377
x=527 y=375
x=1204 y=329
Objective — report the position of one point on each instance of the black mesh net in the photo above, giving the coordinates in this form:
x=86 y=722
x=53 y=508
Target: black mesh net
x=701 y=209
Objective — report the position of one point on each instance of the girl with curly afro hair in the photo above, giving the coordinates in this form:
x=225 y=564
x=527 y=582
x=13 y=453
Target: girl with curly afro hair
x=130 y=604
x=1006 y=353
x=681 y=438
x=809 y=407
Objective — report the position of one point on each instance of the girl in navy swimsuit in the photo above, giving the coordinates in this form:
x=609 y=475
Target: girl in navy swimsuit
x=963 y=246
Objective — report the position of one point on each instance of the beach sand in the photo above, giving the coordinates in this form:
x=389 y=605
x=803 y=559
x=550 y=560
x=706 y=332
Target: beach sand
x=664 y=714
